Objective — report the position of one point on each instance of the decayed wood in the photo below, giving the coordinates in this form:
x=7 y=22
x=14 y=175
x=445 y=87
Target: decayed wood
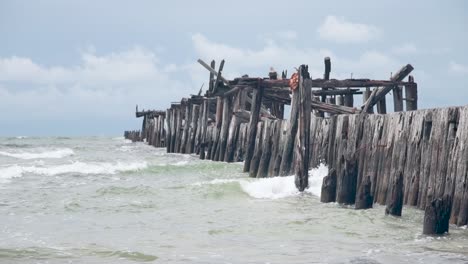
x=193 y=128
x=255 y=162
x=267 y=142
x=227 y=114
x=302 y=140
x=397 y=99
x=381 y=105
x=218 y=77
x=213 y=71
x=437 y=216
x=411 y=94
x=395 y=200
x=364 y=198
x=254 y=118
x=333 y=108
x=328 y=192
x=367 y=104
x=186 y=125
x=398 y=77
x=234 y=127
x=288 y=147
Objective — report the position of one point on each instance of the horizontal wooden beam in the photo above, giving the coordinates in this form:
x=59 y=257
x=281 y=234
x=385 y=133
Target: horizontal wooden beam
x=332 y=108
x=319 y=83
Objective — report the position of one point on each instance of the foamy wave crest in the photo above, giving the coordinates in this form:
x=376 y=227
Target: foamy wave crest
x=7 y=173
x=281 y=187
x=75 y=167
x=270 y=188
x=216 y=181
x=45 y=154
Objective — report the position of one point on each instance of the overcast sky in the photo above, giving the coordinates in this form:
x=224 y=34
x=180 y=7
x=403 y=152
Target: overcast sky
x=79 y=67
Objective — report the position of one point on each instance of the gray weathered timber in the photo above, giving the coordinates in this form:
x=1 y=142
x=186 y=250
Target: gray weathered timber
x=257 y=95
x=302 y=138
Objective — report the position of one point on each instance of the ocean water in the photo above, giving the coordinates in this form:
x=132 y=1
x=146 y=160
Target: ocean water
x=107 y=200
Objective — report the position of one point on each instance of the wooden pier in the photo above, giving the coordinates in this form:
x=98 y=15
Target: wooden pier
x=412 y=157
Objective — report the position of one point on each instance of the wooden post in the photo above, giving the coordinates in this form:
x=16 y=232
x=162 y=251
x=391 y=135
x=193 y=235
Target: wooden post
x=303 y=136
x=397 y=99
x=219 y=122
x=187 y=121
x=227 y=114
x=254 y=118
x=411 y=94
x=253 y=170
x=193 y=128
x=287 y=157
x=437 y=216
x=381 y=105
x=211 y=80
x=365 y=97
x=234 y=127
x=204 y=127
x=328 y=193
x=395 y=200
x=349 y=99
x=346 y=190
x=266 y=149
x=364 y=199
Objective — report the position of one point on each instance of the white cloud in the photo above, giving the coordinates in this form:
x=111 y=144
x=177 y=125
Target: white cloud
x=370 y=64
x=458 y=68
x=340 y=30
x=100 y=85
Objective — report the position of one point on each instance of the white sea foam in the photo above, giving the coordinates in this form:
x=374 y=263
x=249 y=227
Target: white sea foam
x=280 y=187
x=7 y=173
x=276 y=187
x=217 y=181
x=75 y=167
x=40 y=153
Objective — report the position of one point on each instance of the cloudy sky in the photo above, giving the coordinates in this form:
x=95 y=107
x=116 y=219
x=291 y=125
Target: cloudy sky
x=79 y=67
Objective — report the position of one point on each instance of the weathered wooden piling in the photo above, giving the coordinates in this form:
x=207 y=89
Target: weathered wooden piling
x=437 y=216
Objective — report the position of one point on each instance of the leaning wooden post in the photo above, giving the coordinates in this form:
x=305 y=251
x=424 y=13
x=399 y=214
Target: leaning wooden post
x=303 y=136
x=257 y=95
x=287 y=156
x=411 y=94
x=437 y=216
x=367 y=93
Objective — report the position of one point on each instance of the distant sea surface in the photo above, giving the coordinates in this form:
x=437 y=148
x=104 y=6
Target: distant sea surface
x=107 y=200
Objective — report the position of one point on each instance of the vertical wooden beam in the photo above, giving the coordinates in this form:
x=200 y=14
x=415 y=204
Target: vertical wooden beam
x=349 y=99
x=381 y=105
x=397 y=99
x=411 y=94
x=227 y=114
x=257 y=95
x=211 y=80
x=288 y=149
x=204 y=128
x=193 y=128
x=255 y=162
x=367 y=93
x=302 y=141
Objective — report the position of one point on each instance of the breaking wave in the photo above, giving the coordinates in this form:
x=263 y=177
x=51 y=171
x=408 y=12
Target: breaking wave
x=275 y=187
x=75 y=167
x=44 y=154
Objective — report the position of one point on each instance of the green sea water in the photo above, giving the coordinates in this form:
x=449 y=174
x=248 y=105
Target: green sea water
x=107 y=200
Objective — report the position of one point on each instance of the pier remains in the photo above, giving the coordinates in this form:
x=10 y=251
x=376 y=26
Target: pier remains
x=407 y=157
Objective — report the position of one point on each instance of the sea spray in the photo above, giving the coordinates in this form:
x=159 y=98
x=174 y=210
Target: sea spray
x=275 y=187
x=39 y=153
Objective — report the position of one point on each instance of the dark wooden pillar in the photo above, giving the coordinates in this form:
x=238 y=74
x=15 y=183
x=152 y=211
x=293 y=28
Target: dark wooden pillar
x=303 y=136
x=254 y=118
x=437 y=216
x=411 y=95
x=395 y=200
x=397 y=99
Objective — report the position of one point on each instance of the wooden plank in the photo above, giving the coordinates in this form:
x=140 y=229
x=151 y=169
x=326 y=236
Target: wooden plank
x=213 y=71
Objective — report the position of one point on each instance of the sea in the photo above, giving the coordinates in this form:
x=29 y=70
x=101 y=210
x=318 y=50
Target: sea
x=108 y=200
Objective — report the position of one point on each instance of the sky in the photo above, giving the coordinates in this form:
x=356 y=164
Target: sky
x=78 y=68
